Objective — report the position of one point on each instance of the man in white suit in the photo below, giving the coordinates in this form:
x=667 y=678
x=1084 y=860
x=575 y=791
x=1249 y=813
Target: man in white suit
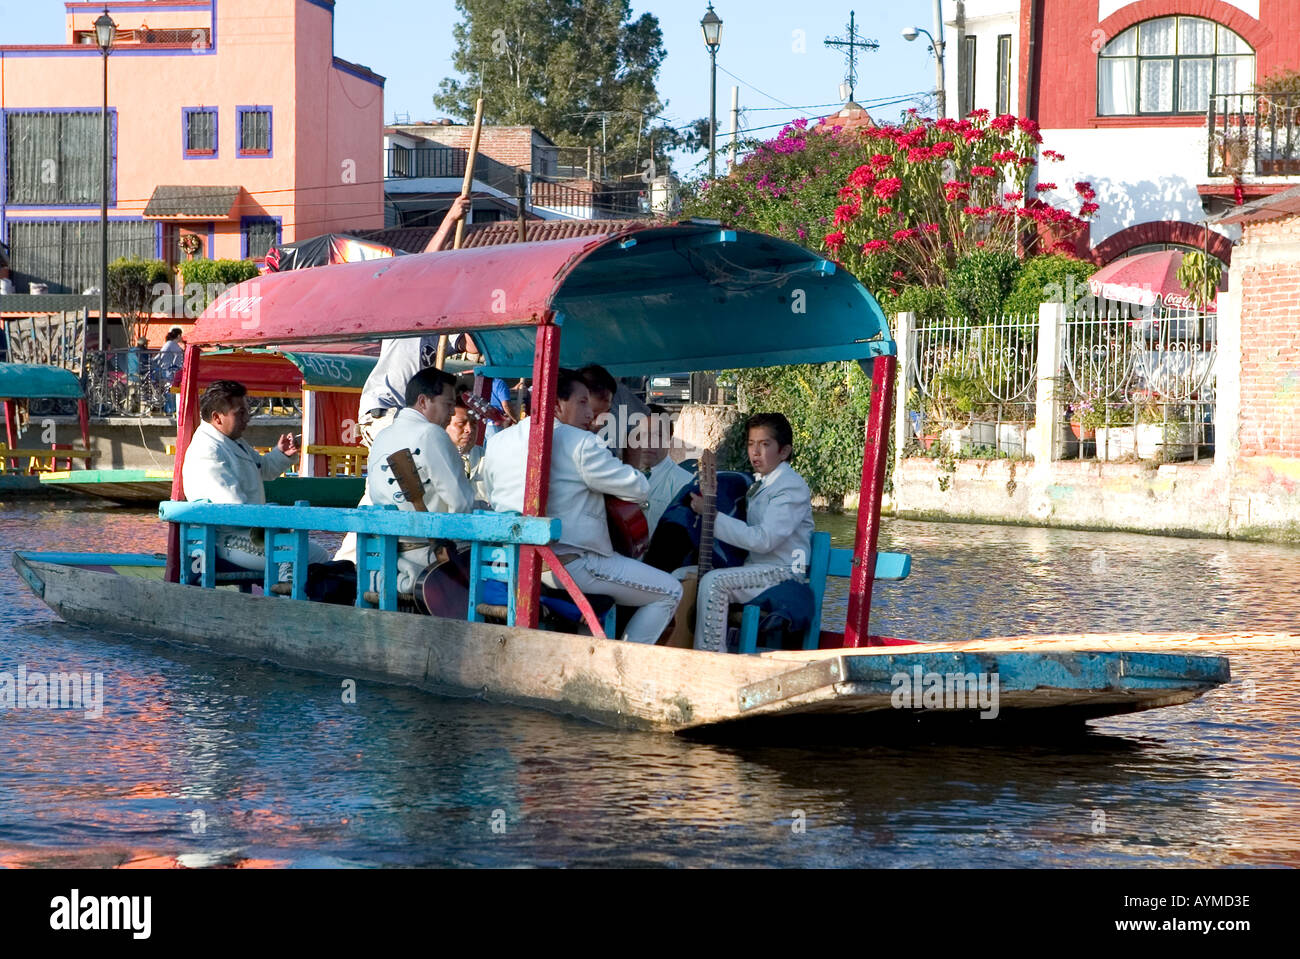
x=583 y=470
x=221 y=468
x=421 y=427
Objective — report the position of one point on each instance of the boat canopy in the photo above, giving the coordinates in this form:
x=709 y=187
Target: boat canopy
x=24 y=381
x=275 y=373
x=689 y=296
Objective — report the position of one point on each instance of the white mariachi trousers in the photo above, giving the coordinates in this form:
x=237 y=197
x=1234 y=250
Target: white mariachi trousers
x=236 y=547
x=630 y=583
x=720 y=588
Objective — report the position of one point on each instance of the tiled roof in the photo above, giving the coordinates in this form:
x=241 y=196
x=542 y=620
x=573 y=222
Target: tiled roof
x=414 y=239
x=1266 y=208
x=205 y=202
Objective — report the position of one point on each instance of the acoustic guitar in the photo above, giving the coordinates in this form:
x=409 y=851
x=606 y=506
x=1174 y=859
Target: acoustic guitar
x=441 y=589
x=681 y=631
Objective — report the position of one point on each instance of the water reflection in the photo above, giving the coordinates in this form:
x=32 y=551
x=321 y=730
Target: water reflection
x=201 y=760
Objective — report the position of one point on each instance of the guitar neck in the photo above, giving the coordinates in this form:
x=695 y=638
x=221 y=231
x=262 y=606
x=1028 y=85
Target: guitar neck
x=706 y=532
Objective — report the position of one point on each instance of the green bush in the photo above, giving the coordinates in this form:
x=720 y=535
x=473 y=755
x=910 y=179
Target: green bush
x=927 y=303
x=827 y=405
x=1055 y=278
x=979 y=283
x=218 y=271
x=213 y=276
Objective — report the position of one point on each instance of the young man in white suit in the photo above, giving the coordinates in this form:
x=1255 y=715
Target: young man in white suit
x=583 y=471
x=777 y=531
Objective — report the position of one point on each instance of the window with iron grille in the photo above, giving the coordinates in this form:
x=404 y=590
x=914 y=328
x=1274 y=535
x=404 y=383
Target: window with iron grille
x=199 y=130
x=1171 y=65
x=254 y=131
x=53 y=157
x=64 y=253
x=1004 y=74
x=258 y=235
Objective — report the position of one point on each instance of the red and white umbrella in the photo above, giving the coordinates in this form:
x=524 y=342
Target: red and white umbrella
x=1146 y=279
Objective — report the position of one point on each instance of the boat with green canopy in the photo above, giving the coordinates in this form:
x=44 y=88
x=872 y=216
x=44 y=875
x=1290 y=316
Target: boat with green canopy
x=687 y=296
x=19 y=384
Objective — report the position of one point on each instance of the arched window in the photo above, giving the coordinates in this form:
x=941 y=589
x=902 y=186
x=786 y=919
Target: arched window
x=1171 y=65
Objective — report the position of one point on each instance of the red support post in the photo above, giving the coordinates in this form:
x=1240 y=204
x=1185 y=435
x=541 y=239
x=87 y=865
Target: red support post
x=546 y=369
x=83 y=416
x=187 y=421
x=875 y=457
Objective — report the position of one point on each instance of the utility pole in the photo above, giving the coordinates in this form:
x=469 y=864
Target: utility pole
x=735 y=127
x=942 y=102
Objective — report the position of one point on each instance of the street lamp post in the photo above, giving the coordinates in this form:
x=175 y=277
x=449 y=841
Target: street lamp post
x=712 y=27
x=941 y=96
x=104 y=27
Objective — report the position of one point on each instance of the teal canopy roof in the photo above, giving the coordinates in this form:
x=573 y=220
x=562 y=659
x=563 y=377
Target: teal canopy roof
x=22 y=381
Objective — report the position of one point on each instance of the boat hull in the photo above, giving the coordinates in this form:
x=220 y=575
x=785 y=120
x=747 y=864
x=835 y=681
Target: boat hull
x=609 y=681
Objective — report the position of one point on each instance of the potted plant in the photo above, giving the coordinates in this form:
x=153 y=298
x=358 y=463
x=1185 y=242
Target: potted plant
x=1233 y=147
x=1116 y=439
x=1163 y=432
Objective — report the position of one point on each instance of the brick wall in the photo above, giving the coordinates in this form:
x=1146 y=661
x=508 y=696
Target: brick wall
x=1267 y=266
x=512 y=146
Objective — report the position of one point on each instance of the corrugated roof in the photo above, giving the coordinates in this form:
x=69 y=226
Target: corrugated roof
x=414 y=239
x=196 y=202
x=1266 y=208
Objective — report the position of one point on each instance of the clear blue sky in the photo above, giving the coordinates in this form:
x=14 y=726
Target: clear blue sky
x=410 y=43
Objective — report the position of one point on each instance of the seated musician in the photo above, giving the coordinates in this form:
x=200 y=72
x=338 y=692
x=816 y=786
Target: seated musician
x=461 y=429
x=221 y=468
x=420 y=427
x=648 y=451
x=582 y=471
x=777 y=533
x=613 y=408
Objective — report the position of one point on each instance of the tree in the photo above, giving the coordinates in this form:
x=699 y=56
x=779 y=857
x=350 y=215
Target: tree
x=131 y=283
x=564 y=67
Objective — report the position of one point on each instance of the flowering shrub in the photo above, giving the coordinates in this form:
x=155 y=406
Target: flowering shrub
x=911 y=199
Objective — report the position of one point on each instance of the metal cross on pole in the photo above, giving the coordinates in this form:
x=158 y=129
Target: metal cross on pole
x=852 y=44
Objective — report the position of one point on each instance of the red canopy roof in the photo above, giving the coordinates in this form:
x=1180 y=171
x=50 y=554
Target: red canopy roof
x=487 y=287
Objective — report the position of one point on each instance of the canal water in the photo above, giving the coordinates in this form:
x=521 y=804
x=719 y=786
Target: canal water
x=209 y=760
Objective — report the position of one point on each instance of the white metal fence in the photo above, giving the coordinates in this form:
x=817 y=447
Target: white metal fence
x=1138 y=382
x=974 y=384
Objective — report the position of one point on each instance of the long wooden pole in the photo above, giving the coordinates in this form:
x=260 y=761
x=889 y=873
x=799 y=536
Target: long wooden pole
x=466 y=186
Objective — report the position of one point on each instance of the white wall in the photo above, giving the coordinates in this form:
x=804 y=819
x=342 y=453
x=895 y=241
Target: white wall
x=1140 y=175
x=986 y=20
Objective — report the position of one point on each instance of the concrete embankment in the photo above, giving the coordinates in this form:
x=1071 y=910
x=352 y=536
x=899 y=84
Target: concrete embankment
x=1253 y=499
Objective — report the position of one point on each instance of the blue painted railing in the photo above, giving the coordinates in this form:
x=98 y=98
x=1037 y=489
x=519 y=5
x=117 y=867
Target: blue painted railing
x=495 y=540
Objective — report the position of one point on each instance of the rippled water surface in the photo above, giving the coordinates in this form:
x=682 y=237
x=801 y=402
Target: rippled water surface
x=217 y=760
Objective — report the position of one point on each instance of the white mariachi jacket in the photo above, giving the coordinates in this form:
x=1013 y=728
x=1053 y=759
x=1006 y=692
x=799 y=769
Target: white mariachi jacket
x=583 y=470
x=222 y=470
x=438 y=462
x=779 y=528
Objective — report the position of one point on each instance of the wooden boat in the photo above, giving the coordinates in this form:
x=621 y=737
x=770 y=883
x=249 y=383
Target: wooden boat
x=328 y=386
x=690 y=296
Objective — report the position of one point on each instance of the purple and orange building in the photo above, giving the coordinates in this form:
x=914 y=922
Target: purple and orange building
x=229 y=120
